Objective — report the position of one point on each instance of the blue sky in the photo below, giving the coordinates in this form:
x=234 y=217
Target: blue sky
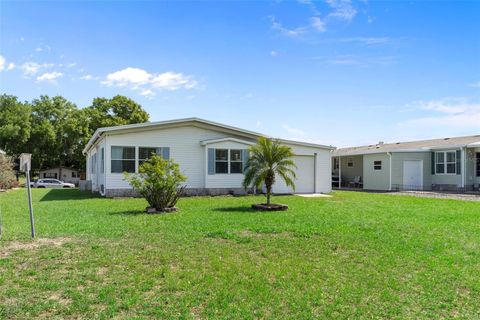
x=335 y=72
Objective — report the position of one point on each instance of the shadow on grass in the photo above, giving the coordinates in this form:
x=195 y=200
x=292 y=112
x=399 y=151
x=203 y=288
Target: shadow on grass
x=128 y=213
x=67 y=194
x=243 y=209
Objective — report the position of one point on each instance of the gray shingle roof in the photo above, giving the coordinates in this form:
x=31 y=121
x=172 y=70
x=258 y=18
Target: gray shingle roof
x=421 y=145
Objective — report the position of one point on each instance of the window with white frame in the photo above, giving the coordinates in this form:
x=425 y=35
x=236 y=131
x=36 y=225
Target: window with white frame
x=350 y=162
x=145 y=153
x=221 y=160
x=377 y=165
x=236 y=161
x=445 y=162
x=123 y=159
x=93 y=164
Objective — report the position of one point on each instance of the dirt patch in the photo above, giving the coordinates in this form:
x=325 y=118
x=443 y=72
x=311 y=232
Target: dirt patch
x=32 y=245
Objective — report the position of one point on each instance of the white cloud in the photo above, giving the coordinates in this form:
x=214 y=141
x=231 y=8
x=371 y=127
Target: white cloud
x=273 y=53
x=147 y=83
x=87 y=77
x=285 y=31
x=6 y=66
x=149 y=93
x=31 y=68
x=342 y=9
x=172 y=81
x=128 y=76
x=49 y=76
x=318 y=24
x=294 y=131
x=449 y=112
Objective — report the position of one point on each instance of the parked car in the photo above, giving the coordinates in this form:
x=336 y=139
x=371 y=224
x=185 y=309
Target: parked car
x=32 y=183
x=52 y=183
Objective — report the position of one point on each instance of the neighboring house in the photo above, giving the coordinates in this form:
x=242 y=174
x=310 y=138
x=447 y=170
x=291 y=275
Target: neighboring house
x=211 y=155
x=61 y=173
x=438 y=164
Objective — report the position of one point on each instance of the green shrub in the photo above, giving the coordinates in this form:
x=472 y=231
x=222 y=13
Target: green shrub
x=7 y=175
x=159 y=181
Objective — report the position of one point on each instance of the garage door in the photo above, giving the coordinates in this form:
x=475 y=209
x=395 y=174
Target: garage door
x=305 y=177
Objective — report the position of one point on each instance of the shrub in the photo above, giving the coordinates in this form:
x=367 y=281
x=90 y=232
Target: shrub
x=7 y=175
x=159 y=181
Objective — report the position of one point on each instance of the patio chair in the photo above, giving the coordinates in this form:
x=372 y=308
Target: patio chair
x=356 y=183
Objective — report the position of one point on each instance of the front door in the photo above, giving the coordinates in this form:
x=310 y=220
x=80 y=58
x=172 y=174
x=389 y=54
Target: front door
x=413 y=174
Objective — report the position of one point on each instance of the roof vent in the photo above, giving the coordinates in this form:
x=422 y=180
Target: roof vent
x=397 y=143
x=446 y=139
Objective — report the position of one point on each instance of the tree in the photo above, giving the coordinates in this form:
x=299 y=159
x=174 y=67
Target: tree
x=7 y=177
x=58 y=132
x=159 y=181
x=269 y=158
x=119 y=110
x=15 y=124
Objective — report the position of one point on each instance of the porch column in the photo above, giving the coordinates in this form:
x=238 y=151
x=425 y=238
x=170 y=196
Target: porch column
x=339 y=173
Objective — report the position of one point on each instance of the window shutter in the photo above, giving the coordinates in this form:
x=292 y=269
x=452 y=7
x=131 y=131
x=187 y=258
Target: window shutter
x=459 y=161
x=433 y=163
x=244 y=158
x=166 y=153
x=211 y=161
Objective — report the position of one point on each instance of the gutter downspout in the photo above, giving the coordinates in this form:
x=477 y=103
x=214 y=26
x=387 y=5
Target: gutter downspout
x=390 y=173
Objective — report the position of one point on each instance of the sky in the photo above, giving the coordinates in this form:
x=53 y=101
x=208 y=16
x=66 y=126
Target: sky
x=334 y=72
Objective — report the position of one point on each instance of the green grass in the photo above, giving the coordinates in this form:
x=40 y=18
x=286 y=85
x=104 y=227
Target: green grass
x=354 y=255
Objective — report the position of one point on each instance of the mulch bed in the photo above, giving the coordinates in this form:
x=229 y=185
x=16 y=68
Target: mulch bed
x=270 y=207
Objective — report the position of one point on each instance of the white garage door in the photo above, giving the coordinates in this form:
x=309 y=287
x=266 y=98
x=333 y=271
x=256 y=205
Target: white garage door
x=305 y=177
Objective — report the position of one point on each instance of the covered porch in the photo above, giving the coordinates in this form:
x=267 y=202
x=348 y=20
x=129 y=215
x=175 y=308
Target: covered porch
x=347 y=172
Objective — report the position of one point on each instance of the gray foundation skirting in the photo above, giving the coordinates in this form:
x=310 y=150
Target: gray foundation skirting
x=114 y=193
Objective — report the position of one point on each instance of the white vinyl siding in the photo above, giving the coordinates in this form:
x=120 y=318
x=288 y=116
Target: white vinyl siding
x=186 y=149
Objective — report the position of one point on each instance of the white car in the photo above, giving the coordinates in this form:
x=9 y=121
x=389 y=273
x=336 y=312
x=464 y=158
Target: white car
x=52 y=183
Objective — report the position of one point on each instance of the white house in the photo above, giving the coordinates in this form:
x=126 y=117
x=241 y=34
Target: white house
x=61 y=173
x=211 y=155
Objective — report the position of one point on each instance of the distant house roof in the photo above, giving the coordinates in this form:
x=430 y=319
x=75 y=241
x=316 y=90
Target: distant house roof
x=420 y=145
x=193 y=121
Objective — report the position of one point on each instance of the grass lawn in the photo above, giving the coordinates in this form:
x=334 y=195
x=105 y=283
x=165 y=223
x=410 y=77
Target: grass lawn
x=354 y=255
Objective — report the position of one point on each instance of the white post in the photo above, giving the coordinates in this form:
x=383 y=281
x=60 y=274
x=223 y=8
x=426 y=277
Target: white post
x=30 y=206
x=339 y=173
x=390 y=174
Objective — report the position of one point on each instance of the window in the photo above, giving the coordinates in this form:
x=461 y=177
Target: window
x=236 y=161
x=446 y=162
x=350 y=162
x=478 y=163
x=145 y=153
x=221 y=160
x=93 y=163
x=74 y=174
x=377 y=165
x=50 y=175
x=102 y=160
x=123 y=159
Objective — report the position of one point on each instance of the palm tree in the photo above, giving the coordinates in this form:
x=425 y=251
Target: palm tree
x=267 y=159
